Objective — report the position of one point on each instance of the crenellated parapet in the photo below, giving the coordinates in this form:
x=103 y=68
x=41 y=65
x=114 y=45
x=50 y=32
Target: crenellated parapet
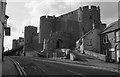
x=45 y=17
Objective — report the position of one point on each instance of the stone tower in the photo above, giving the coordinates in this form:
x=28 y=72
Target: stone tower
x=75 y=23
x=47 y=25
x=30 y=32
x=14 y=44
x=90 y=18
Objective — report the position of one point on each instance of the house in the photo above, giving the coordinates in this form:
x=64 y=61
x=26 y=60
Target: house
x=89 y=43
x=102 y=44
x=110 y=41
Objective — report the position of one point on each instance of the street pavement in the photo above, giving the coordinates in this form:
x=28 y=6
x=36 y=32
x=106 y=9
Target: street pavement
x=97 y=65
x=52 y=68
x=91 y=60
x=8 y=68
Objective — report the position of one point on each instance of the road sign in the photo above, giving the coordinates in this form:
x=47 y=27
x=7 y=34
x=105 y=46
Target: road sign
x=7 y=31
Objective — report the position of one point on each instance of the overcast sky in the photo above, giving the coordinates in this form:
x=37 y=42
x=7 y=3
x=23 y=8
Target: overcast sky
x=27 y=12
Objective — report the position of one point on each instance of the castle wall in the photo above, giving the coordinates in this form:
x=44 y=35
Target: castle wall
x=80 y=20
x=64 y=40
x=73 y=28
x=75 y=23
x=47 y=26
x=36 y=45
x=61 y=25
x=36 y=38
x=70 y=16
x=17 y=42
x=69 y=23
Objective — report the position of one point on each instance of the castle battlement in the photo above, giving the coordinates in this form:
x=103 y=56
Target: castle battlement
x=29 y=26
x=90 y=7
x=47 y=17
x=68 y=14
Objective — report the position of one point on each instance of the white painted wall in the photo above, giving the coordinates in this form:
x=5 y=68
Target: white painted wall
x=2 y=16
x=1 y=39
x=118 y=52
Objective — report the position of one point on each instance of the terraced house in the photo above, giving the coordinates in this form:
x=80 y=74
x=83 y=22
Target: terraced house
x=104 y=45
x=110 y=41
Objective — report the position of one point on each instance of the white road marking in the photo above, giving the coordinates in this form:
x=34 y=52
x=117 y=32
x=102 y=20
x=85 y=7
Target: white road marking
x=94 y=67
x=74 y=72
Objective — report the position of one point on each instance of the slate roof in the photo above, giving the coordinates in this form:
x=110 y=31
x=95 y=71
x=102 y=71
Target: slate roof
x=113 y=26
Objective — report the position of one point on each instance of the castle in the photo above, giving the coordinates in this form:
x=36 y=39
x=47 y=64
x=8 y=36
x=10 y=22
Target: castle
x=80 y=29
x=62 y=31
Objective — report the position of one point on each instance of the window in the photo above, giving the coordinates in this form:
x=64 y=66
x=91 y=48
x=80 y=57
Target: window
x=105 y=39
x=117 y=36
x=90 y=17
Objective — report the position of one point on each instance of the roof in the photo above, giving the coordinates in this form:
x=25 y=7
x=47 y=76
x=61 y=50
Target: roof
x=113 y=26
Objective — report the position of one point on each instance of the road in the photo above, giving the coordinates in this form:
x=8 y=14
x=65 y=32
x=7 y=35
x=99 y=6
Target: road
x=50 y=68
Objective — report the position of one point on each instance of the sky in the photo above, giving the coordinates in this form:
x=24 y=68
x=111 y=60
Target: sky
x=27 y=12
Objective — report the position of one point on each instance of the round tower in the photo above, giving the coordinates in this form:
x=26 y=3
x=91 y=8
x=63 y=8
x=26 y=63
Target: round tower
x=86 y=19
x=80 y=21
x=30 y=32
x=47 y=25
x=95 y=12
x=14 y=45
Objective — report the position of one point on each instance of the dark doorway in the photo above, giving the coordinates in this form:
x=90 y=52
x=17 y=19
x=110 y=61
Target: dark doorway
x=58 y=43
